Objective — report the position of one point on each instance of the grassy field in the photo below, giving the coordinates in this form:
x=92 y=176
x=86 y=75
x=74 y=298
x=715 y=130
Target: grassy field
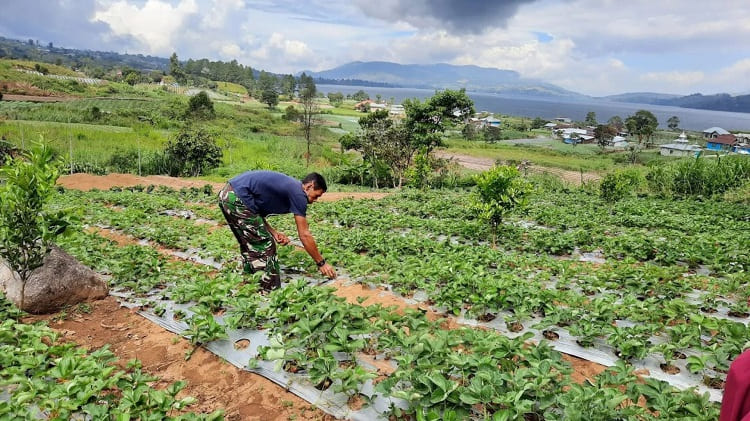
x=102 y=120
x=548 y=153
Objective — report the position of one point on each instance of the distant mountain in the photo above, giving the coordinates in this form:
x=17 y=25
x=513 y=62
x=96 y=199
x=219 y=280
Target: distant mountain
x=640 y=97
x=444 y=76
x=717 y=102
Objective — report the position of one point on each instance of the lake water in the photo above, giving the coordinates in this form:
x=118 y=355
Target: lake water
x=549 y=108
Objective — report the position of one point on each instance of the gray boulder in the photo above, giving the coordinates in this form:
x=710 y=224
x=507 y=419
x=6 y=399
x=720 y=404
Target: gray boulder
x=59 y=282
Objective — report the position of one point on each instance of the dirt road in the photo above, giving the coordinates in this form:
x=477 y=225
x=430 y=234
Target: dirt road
x=484 y=163
x=87 y=182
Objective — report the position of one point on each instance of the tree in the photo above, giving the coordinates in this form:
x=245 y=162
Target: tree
x=603 y=134
x=538 y=123
x=499 y=191
x=591 y=119
x=291 y=113
x=156 y=76
x=381 y=140
x=175 y=70
x=426 y=121
x=616 y=122
x=269 y=92
x=360 y=95
x=336 y=98
x=492 y=134
x=288 y=85
x=469 y=132
x=192 y=152
x=27 y=225
x=132 y=78
x=200 y=105
x=673 y=122
x=642 y=124
x=307 y=93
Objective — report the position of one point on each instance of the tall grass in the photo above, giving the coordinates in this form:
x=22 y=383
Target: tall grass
x=700 y=176
x=560 y=156
x=85 y=142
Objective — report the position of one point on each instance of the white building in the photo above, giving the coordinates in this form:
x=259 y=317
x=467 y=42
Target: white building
x=680 y=147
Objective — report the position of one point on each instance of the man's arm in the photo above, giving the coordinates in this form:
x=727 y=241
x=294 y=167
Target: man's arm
x=311 y=247
x=278 y=236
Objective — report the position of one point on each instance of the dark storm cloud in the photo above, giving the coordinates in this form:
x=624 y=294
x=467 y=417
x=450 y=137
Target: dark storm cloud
x=456 y=16
x=65 y=23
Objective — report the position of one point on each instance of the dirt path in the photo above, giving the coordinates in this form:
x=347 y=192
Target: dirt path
x=37 y=98
x=214 y=382
x=483 y=164
x=87 y=182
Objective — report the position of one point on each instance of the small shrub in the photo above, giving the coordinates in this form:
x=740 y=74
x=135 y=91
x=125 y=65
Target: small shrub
x=498 y=192
x=192 y=152
x=291 y=113
x=95 y=113
x=619 y=185
x=200 y=106
x=27 y=225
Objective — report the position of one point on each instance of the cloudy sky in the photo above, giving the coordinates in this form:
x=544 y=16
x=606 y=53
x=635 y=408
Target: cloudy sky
x=596 y=47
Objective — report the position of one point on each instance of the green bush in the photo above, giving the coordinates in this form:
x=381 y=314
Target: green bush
x=200 y=106
x=620 y=184
x=192 y=153
x=499 y=191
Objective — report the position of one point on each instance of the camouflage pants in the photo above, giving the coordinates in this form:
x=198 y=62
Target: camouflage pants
x=257 y=245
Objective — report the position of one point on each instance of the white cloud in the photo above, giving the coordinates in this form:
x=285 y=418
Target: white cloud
x=218 y=12
x=283 y=55
x=155 y=24
x=594 y=46
x=674 y=78
x=230 y=51
x=738 y=72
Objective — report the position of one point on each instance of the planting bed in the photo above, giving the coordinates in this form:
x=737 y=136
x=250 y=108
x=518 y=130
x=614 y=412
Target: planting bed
x=635 y=285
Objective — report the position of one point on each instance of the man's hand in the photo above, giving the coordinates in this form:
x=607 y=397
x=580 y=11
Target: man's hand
x=281 y=238
x=328 y=271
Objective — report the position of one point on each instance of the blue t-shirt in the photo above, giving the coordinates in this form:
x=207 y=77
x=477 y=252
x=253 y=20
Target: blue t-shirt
x=270 y=193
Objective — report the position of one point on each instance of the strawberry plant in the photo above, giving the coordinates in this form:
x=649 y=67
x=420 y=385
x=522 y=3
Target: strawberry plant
x=202 y=328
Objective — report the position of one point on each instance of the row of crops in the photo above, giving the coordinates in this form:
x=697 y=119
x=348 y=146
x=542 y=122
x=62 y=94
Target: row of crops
x=671 y=285
x=42 y=377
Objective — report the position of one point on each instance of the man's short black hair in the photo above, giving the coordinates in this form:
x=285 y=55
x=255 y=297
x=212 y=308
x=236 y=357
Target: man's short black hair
x=319 y=183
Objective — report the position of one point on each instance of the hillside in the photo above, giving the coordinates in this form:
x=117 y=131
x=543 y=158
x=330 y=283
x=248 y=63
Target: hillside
x=442 y=75
x=640 y=97
x=717 y=102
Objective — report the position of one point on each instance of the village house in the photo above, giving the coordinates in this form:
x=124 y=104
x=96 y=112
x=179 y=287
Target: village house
x=679 y=147
x=491 y=121
x=369 y=105
x=619 y=142
x=575 y=135
x=724 y=142
x=397 y=110
x=714 y=132
x=483 y=122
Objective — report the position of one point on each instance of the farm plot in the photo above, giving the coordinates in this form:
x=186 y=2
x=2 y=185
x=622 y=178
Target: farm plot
x=668 y=281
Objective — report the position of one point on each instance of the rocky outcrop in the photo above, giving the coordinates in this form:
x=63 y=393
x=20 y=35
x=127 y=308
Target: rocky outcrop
x=59 y=282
